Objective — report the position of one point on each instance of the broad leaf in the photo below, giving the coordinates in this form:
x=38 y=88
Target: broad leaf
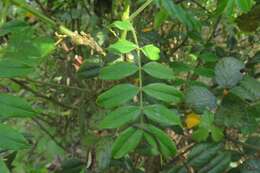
x=12 y=68
x=151 y=52
x=228 y=72
x=201 y=134
x=163 y=92
x=244 y=5
x=118 y=71
x=152 y=142
x=120 y=116
x=208 y=57
x=203 y=71
x=126 y=142
x=3 y=167
x=117 y=95
x=166 y=145
x=158 y=70
x=11 y=139
x=13 y=106
x=160 y=17
x=179 y=67
x=216 y=134
x=13 y=26
x=162 y=115
x=123 y=25
x=122 y=46
x=200 y=99
x=183 y=16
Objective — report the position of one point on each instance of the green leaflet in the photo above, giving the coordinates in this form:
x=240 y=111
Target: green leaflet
x=200 y=135
x=208 y=57
x=162 y=115
x=13 y=26
x=23 y=53
x=207 y=126
x=151 y=52
x=11 y=139
x=13 y=106
x=126 y=142
x=183 y=16
x=203 y=71
x=163 y=92
x=159 y=18
x=3 y=168
x=122 y=46
x=12 y=68
x=122 y=25
x=118 y=71
x=244 y=5
x=158 y=70
x=117 y=95
x=152 y=142
x=166 y=145
x=119 y=117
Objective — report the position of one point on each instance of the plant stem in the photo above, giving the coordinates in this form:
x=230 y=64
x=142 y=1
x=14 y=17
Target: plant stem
x=78 y=39
x=125 y=16
x=139 y=75
x=51 y=99
x=34 y=12
x=140 y=9
x=4 y=12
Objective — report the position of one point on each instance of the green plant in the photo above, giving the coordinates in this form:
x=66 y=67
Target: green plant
x=175 y=92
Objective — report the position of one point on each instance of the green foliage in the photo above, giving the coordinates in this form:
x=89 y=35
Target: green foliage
x=207 y=126
x=3 y=167
x=126 y=142
x=120 y=117
x=163 y=92
x=162 y=115
x=151 y=52
x=115 y=97
x=158 y=70
x=200 y=99
x=118 y=71
x=228 y=72
x=12 y=106
x=122 y=46
x=11 y=139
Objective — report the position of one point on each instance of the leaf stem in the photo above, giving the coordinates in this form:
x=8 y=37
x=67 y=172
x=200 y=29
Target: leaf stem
x=140 y=9
x=139 y=61
x=4 y=12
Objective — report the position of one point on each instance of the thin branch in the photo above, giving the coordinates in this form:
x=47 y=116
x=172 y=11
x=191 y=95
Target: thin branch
x=48 y=133
x=140 y=9
x=56 y=85
x=201 y=6
x=245 y=144
x=53 y=100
